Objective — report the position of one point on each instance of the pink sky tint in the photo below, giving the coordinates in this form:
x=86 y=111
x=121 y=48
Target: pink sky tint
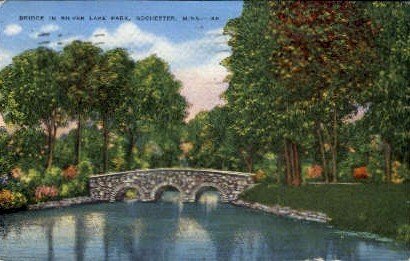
x=202 y=87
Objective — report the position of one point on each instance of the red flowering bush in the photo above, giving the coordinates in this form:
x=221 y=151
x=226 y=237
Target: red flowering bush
x=314 y=171
x=360 y=173
x=70 y=172
x=44 y=193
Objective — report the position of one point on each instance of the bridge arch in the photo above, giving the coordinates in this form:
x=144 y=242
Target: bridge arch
x=120 y=190
x=157 y=191
x=196 y=192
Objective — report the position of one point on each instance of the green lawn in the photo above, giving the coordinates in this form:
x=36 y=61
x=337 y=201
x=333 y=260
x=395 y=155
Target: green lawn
x=379 y=209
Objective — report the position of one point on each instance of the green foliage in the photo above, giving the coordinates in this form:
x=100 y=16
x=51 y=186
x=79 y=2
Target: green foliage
x=210 y=142
x=52 y=176
x=7 y=160
x=130 y=194
x=268 y=165
x=387 y=113
x=403 y=233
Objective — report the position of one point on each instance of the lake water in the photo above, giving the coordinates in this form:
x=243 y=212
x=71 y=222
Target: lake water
x=175 y=231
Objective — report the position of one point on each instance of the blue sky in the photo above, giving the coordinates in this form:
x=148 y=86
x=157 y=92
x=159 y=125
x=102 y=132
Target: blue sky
x=193 y=49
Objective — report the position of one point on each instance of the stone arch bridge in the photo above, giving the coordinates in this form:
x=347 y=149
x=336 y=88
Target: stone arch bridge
x=149 y=184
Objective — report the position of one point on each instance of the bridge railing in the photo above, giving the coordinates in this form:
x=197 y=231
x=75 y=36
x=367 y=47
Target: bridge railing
x=197 y=171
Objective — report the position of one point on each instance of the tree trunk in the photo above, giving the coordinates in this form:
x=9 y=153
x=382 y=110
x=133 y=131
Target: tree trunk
x=334 y=146
x=249 y=163
x=77 y=148
x=247 y=157
x=288 y=166
x=49 y=141
x=387 y=161
x=297 y=179
x=129 y=150
x=51 y=138
x=105 y=146
x=322 y=152
x=292 y=162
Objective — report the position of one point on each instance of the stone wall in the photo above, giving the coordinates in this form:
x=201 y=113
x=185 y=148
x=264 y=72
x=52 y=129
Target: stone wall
x=149 y=183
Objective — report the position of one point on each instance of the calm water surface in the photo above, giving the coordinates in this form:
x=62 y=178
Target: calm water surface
x=172 y=231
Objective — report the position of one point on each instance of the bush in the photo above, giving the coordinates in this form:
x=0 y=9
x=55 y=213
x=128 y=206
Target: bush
x=268 y=169
x=44 y=193
x=360 y=173
x=260 y=176
x=314 y=171
x=11 y=200
x=31 y=179
x=403 y=233
x=69 y=173
x=52 y=177
x=70 y=189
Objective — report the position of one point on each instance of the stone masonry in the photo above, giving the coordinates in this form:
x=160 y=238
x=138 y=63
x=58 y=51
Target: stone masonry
x=150 y=183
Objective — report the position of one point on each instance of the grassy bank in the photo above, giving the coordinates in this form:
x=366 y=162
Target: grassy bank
x=381 y=209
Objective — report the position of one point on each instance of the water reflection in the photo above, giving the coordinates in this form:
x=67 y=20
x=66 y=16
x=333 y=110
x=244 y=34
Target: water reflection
x=209 y=199
x=158 y=231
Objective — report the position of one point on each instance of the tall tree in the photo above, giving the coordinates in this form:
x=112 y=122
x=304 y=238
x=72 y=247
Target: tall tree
x=388 y=110
x=323 y=55
x=78 y=61
x=265 y=116
x=110 y=79
x=152 y=99
x=31 y=94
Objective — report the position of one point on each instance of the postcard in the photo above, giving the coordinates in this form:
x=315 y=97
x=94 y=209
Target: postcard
x=204 y=130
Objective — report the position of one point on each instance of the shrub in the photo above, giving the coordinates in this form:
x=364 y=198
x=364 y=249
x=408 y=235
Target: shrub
x=31 y=179
x=52 y=177
x=16 y=173
x=84 y=170
x=69 y=189
x=403 y=233
x=314 y=171
x=11 y=200
x=44 y=193
x=69 y=173
x=360 y=173
x=260 y=176
x=6 y=199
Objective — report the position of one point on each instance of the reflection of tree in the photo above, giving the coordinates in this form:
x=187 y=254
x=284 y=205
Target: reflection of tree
x=49 y=227
x=80 y=236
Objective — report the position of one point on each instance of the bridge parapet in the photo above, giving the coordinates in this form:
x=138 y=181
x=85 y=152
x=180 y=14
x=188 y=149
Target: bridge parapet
x=149 y=183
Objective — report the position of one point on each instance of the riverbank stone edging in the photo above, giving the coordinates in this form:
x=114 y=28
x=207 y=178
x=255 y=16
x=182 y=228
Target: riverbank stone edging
x=62 y=203
x=285 y=211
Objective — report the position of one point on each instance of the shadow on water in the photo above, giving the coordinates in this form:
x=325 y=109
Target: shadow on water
x=156 y=231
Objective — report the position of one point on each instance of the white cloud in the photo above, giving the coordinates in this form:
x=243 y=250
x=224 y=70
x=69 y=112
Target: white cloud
x=45 y=29
x=141 y=44
x=5 y=58
x=12 y=29
x=49 y=28
x=195 y=62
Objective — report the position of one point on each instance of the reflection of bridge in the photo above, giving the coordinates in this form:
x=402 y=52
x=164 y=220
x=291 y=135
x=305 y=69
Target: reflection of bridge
x=149 y=184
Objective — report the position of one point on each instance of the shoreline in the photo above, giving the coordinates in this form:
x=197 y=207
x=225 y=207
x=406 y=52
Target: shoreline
x=67 y=202
x=281 y=211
